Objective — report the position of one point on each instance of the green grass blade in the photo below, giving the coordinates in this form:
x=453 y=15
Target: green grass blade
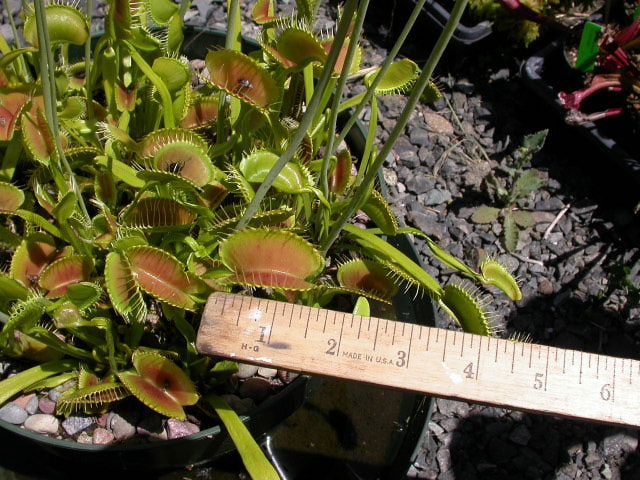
x=253 y=458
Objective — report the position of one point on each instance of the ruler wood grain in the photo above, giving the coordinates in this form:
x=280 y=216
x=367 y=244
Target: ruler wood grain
x=444 y=363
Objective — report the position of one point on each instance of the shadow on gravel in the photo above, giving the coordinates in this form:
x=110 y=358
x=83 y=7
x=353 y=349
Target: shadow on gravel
x=537 y=447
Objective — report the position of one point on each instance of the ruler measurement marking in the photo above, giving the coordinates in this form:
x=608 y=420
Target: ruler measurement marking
x=306 y=328
x=393 y=336
x=291 y=314
x=580 y=376
x=546 y=369
x=444 y=350
x=479 y=353
x=375 y=339
x=564 y=362
x=429 y=338
x=496 y=357
x=513 y=358
x=326 y=316
x=224 y=304
x=273 y=321
x=340 y=338
x=408 y=348
x=613 y=383
x=462 y=346
x=360 y=327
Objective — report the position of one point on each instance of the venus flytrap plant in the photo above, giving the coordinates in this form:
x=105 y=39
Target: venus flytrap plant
x=173 y=189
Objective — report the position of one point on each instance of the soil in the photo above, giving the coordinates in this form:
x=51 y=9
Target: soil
x=578 y=266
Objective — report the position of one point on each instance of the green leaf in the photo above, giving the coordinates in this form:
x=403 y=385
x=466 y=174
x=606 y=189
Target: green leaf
x=535 y=141
x=252 y=455
x=66 y=25
x=527 y=183
x=162 y=276
x=465 y=309
x=11 y=289
x=523 y=219
x=57 y=276
x=367 y=278
x=510 y=234
x=397 y=79
x=291 y=179
x=174 y=73
x=239 y=75
x=485 y=215
x=123 y=290
x=11 y=197
x=83 y=294
x=362 y=307
x=394 y=258
x=162 y=10
x=271 y=258
x=160 y=384
x=379 y=211
x=495 y=274
x=23 y=380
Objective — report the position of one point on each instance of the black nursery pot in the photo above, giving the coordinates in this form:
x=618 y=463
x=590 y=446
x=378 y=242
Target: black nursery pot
x=616 y=138
x=430 y=23
x=393 y=455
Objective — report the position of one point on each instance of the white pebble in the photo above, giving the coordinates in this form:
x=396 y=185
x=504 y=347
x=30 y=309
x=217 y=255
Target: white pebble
x=42 y=423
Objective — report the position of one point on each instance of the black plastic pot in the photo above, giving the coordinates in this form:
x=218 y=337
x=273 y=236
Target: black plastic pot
x=430 y=23
x=382 y=455
x=547 y=73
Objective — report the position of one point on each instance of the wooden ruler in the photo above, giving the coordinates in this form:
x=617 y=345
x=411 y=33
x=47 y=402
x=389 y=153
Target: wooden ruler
x=444 y=363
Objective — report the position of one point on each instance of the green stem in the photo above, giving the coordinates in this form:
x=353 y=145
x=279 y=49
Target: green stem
x=305 y=123
x=368 y=95
x=414 y=98
x=337 y=95
x=22 y=69
x=87 y=69
x=47 y=75
x=165 y=96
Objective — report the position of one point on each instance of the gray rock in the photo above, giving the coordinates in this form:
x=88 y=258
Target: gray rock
x=122 y=424
x=436 y=197
x=178 y=429
x=256 y=388
x=76 y=423
x=419 y=184
x=267 y=372
x=520 y=435
x=102 y=436
x=13 y=414
x=245 y=370
x=625 y=441
x=419 y=136
x=46 y=405
x=32 y=405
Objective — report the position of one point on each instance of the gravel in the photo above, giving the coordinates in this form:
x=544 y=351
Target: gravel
x=570 y=263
